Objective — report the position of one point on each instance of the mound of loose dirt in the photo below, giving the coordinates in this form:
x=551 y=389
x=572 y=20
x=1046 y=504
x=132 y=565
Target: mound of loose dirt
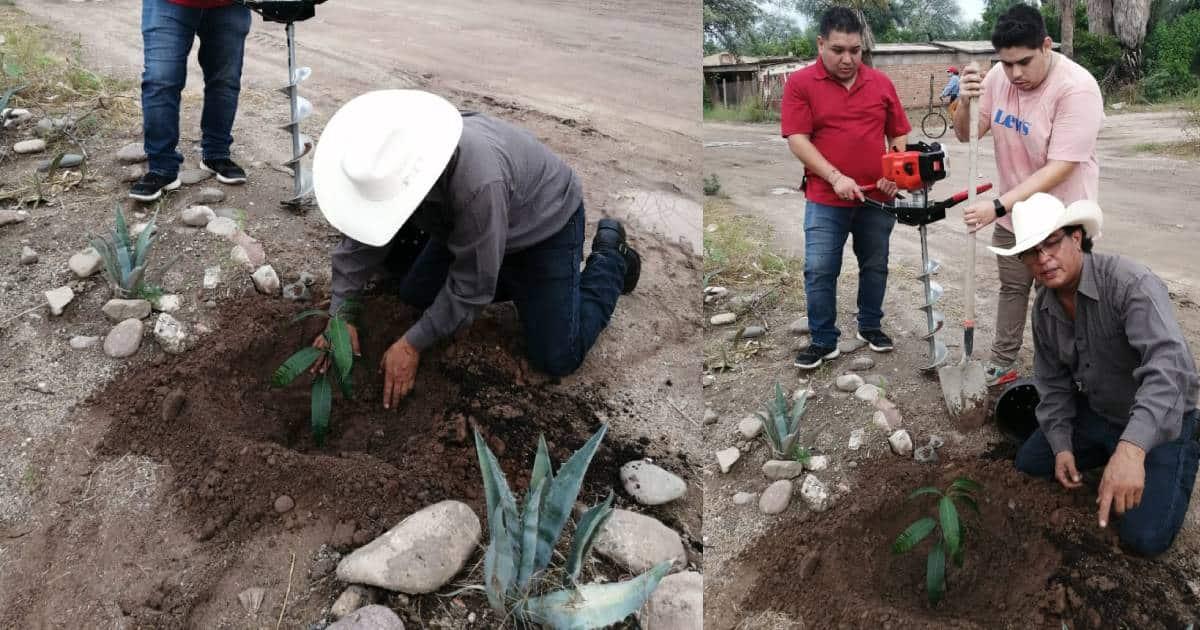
x=1034 y=559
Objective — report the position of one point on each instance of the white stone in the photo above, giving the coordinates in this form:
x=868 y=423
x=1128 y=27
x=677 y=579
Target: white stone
x=29 y=146
x=728 y=457
x=58 y=299
x=814 y=493
x=901 y=443
x=677 y=603
x=168 y=303
x=212 y=277
x=817 y=462
x=650 y=484
x=373 y=617
x=782 y=469
x=198 y=216
x=170 y=334
x=241 y=257
x=776 y=497
x=86 y=263
x=222 y=226
x=349 y=601
x=849 y=382
x=118 y=310
x=124 y=339
x=81 y=342
x=742 y=498
x=711 y=416
x=28 y=255
x=131 y=153
x=799 y=327
x=12 y=216
x=638 y=542
x=722 y=319
x=856 y=439
x=420 y=554
x=862 y=364
x=750 y=426
x=868 y=393
x=880 y=420
x=266 y=280
x=708 y=380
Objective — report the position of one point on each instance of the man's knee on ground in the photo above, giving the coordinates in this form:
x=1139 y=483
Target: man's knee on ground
x=1035 y=458
x=557 y=365
x=1146 y=542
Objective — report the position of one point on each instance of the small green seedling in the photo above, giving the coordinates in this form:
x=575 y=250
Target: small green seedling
x=949 y=526
x=781 y=426
x=521 y=545
x=338 y=348
x=124 y=258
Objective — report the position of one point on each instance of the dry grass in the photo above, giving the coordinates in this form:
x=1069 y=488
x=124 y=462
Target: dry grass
x=736 y=248
x=1184 y=149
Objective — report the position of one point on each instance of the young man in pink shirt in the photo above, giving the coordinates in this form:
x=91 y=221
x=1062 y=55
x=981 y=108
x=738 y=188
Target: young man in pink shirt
x=1044 y=112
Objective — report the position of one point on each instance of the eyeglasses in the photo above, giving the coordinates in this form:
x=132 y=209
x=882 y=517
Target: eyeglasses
x=1048 y=247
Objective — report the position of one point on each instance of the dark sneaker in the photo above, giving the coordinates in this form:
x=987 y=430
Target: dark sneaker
x=611 y=235
x=151 y=186
x=878 y=341
x=812 y=357
x=227 y=171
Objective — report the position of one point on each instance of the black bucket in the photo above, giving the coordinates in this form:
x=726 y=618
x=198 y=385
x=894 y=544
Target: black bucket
x=1015 y=411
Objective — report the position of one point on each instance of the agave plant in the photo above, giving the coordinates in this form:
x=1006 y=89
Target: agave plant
x=781 y=425
x=949 y=542
x=516 y=564
x=339 y=349
x=124 y=258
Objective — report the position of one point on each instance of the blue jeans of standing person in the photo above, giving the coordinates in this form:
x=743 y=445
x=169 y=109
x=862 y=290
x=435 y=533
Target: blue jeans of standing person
x=168 y=31
x=1150 y=528
x=825 y=232
x=562 y=309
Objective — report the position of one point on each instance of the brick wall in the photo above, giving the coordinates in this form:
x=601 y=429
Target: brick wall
x=910 y=73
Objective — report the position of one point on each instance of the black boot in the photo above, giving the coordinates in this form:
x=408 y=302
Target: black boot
x=610 y=235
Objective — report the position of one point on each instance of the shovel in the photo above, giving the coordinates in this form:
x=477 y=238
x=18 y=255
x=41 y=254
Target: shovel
x=964 y=384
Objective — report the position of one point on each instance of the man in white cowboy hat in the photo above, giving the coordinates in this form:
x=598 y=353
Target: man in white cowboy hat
x=505 y=220
x=1117 y=383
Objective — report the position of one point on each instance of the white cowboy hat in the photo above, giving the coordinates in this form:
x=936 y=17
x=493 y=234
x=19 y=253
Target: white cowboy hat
x=378 y=158
x=1037 y=217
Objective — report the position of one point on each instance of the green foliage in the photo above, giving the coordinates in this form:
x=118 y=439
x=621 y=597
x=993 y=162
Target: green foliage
x=1100 y=54
x=8 y=94
x=752 y=111
x=727 y=22
x=520 y=547
x=781 y=425
x=1173 y=55
x=949 y=542
x=712 y=185
x=125 y=259
x=338 y=350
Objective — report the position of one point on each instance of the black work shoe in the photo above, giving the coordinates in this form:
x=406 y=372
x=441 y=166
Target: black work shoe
x=813 y=356
x=151 y=186
x=878 y=341
x=610 y=234
x=227 y=171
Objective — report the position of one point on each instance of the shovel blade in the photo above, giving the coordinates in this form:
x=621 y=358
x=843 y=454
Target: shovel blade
x=964 y=388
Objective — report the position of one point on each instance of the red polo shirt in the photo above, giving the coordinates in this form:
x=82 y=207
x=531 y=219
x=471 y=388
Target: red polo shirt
x=202 y=4
x=848 y=126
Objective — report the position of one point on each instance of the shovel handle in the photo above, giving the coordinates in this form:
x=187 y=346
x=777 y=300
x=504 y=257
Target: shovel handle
x=969 y=273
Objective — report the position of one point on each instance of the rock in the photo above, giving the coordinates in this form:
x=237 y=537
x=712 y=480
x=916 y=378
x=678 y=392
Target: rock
x=81 y=342
x=925 y=455
x=58 y=299
x=677 y=603
x=35 y=145
x=197 y=216
x=814 y=493
x=252 y=599
x=284 y=504
x=817 y=462
x=231 y=213
x=708 y=380
x=901 y=443
x=752 y=332
x=868 y=393
x=750 y=426
x=349 y=601
x=12 y=216
x=210 y=195
x=650 y=484
x=727 y=458
x=296 y=292
x=878 y=380
x=191 y=176
x=266 y=280
x=28 y=255
x=776 y=497
x=742 y=498
x=173 y=404
x=222 y=226
x=856 y=439
x=862 y=364
x=879 y=419
x=799 y=327
x=86 y=263
x=132 y=153
x=936 y=441
x=884 y=404
x=782 y=469
x=848 y=382
x=212 y=277
x=168 y=303
x=711 y=417
x=250 y=255
x=131 y=174
x=851 y=345
x=722 y=319
x=373 y=617
x=638 y=542
x=117 y=309
x=69 y=160
x=894 y=419
x=420 y=554
x=170 y=334
x=124 y=339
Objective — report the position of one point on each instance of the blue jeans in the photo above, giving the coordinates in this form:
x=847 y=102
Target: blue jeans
x=1150 y=528
x=562 y=309
x=167 y=34
x=825 y=232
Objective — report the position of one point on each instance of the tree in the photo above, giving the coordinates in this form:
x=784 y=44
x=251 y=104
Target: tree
x=1100 y=15
x=1127 y=19
x=863 y=8
x=926 y=20
x=1067 y=10
x=728 y=22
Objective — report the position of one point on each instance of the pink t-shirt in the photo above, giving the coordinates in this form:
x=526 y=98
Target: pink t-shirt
x=1059 y=120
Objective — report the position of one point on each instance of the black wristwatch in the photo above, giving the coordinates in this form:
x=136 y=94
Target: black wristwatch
x=1000 y=211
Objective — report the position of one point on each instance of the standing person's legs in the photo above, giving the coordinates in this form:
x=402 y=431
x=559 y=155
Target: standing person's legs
x=1012 y=304
x=167 y=33
x=1150 y=528
x=825 y=232
x=222 y=35
x=872 y=230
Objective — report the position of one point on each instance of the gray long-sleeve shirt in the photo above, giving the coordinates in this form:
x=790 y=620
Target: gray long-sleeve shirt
x=502 y=192
x=1124 y=352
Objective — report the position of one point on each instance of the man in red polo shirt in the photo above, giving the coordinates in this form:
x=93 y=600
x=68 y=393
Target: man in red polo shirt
x=169 y=27
x=837 y=114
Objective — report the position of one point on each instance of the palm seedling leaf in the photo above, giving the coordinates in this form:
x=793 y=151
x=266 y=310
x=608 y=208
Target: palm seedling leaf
x=935 y=574
x=951 y=532
x=322 y=399
x=295 y=365
x=913 y=535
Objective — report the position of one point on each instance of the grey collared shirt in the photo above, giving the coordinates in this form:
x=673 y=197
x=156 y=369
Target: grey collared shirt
x=1124 y=353
x=502 y=192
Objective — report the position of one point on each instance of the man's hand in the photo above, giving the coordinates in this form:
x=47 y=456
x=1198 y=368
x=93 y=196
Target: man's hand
x=970 y=82
x=1123 y=481
x=887 y=187
x=1064 y=470
x=322 y=363
x=979 y=215
x=399 y=367
x=846 y=189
